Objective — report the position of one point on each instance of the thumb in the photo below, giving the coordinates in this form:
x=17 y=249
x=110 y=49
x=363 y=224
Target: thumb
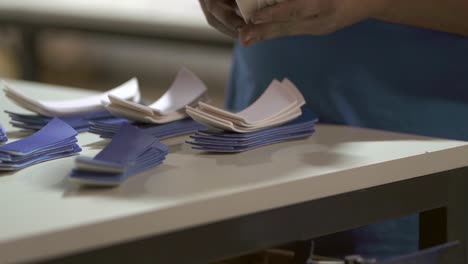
x=290 y=10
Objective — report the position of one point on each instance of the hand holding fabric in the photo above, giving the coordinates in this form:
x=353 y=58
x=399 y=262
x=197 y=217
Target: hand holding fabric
x=315 y=17
x=222 y=15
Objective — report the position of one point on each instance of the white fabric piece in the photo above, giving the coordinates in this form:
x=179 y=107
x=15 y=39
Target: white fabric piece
x=281 y=102
x=187 y=89
x=127 y=91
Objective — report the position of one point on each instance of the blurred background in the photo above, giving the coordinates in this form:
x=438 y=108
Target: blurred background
x=98 y=44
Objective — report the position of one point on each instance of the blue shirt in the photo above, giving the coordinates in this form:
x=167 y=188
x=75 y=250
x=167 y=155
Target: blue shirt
x=373 y=74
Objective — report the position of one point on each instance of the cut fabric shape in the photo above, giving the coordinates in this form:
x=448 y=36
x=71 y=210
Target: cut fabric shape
x=280 y=103
x=56 y=140
x=3 y=135
x=130 y=152
x=108 y=128
x=187 y=89
x=80 y=122
x=127 y=91
x=232 y=142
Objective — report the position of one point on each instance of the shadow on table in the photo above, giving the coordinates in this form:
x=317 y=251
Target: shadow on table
x=134 y=187
x=331 y=135
x=231 y=171
x=18 y=134
x=163 y=183
x=98 y=144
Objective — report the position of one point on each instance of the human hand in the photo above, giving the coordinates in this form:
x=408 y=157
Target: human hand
x=315 y=17
x=222 y=15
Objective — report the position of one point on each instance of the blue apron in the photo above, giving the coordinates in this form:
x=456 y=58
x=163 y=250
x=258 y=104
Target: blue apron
x=373 y=74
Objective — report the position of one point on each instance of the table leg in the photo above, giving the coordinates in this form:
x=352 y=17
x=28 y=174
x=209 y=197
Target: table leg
x=432 y=228
x=302 y=250
x=457 y=216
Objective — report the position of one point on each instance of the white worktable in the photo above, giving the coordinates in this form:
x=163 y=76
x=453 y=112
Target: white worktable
x=43 y=215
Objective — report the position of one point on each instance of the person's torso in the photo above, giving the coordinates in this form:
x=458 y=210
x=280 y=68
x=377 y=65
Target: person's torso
x=373 y=74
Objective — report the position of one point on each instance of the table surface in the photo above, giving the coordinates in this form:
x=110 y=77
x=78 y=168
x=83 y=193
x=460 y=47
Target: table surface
x=44 y=215
x=183 y=18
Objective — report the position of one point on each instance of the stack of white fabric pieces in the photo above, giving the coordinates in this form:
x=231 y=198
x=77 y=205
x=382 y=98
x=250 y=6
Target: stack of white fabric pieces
x=276 y=116
x=76 y=112
x=280 y=103
x=3 y=135
x=56 y=140
x=187 y=89
x=130 y=152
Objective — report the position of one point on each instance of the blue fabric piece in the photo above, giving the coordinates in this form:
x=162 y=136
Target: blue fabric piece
x=107 y=129
x=127 y=145
x=373 y=74
x=80 y=122
x=56 y=140
x=130 y=152
x=222 y=138
x=8 y=166
x=53 y=133
x=308 y=118
x=236 y=148
x=231 y=142
x=59 y=147
x=91 y=178
x=3 y=135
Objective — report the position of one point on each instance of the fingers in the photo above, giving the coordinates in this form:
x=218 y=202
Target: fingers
x=251 y=34
x=314 y=17
x=213 y=21
x=293 y=10
x=291 y=17
x=221 y=14
x=225 y=13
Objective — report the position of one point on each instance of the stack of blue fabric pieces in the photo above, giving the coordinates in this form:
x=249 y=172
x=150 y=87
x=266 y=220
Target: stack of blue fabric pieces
x=277 y=115
x=56 y=140
x=130 y=152
x=225 y=141
x=108 y=128
x=3 y=135
x=80 y=122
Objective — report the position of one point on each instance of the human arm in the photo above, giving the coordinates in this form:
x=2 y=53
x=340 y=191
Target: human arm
x=319 y=17
x=221 y=15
